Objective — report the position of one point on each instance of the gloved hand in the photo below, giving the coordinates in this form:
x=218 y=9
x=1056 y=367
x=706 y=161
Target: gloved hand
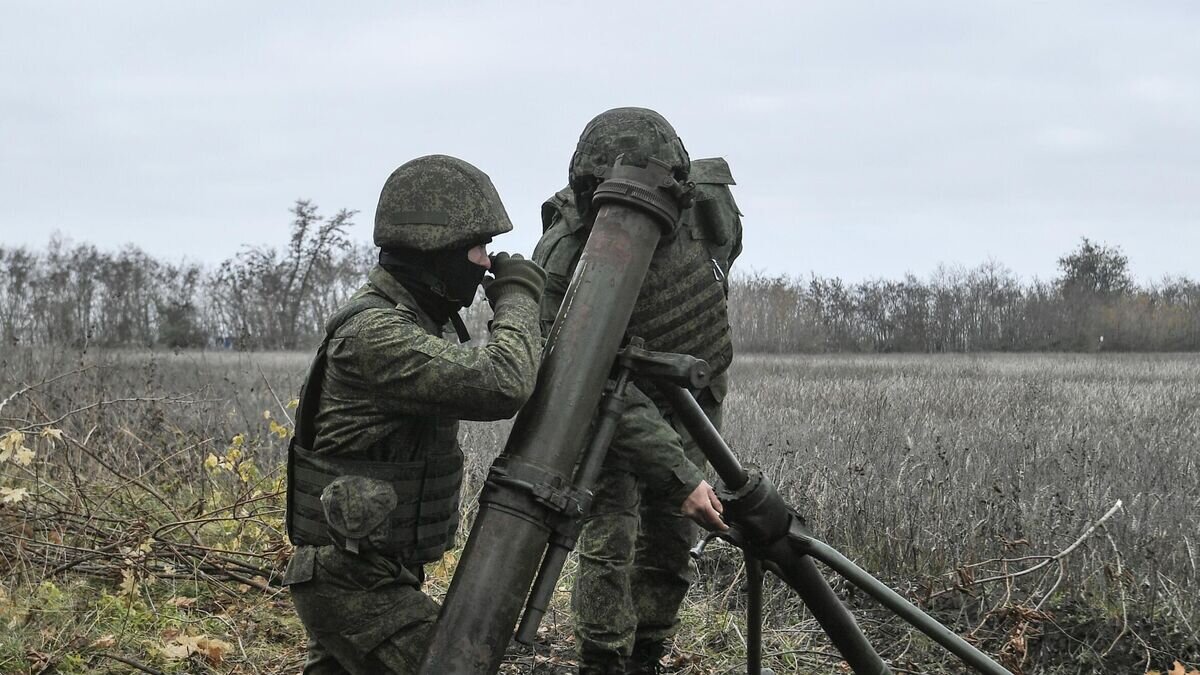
x=514 y=274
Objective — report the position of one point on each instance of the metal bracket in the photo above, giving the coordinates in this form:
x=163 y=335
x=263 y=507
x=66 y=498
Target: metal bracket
x=682 y=370
x=513 y=483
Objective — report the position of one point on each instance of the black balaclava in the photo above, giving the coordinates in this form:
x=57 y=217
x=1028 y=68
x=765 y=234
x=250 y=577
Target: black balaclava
x=442 y=282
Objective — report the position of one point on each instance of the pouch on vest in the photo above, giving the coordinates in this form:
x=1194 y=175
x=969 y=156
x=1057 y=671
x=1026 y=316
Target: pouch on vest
x=715 y=217
x=356 y=512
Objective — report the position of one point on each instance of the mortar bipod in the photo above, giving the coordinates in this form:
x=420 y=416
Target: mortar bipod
x=763 y=525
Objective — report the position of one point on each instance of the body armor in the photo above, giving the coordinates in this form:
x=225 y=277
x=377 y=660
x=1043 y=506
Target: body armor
x=423 y=523
x=682 y=306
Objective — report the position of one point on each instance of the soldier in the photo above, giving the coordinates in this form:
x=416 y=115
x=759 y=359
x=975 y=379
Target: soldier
x=634 y=568
x=375 y=469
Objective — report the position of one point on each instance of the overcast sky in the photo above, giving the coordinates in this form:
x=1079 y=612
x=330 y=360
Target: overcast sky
x=867 y=139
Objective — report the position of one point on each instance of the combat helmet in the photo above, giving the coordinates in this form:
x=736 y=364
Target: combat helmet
x=637 y=133
x=438 y=202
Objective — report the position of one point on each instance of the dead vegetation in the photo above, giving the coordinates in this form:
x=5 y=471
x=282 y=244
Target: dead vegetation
x=141 y=514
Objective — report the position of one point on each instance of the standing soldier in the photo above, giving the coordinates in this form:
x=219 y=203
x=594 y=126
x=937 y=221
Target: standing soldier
x=374 y=469
x=634 y=568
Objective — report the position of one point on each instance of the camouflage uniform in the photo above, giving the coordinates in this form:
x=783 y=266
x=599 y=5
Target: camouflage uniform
x=391 y=393
x=634 y=567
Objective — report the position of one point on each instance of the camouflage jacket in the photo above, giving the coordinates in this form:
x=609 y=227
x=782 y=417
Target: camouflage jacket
x=386 y=367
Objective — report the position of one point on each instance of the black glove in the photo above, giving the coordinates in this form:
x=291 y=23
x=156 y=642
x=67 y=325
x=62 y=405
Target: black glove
x=514 y=274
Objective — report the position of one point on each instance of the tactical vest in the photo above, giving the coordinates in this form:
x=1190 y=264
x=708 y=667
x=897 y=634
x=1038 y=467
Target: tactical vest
x=424 y=523
x=681 y=308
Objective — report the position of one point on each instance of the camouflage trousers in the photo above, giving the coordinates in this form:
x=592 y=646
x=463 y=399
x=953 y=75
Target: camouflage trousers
x=634 y=566
x=364 y=614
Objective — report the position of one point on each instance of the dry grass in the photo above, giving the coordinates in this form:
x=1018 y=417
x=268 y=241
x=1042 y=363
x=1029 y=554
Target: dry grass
x=935 y=473
x=925 y=468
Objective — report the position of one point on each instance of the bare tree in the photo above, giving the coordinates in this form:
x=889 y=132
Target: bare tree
x=263 y=292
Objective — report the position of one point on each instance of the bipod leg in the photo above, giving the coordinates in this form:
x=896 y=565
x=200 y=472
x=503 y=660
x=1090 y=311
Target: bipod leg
x=754 y=614
x=754 y=603
x=903 y=608
x=561 y=543
x=798 y=571
x=761 y=521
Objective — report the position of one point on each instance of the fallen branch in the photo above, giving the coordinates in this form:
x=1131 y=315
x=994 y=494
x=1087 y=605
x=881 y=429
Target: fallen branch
x=131 y=663
x=1045 y=560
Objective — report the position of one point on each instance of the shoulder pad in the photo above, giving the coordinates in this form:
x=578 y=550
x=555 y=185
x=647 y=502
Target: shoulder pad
x=544 y=250
x=713 y=170
x=560 y=207
x=357 y=305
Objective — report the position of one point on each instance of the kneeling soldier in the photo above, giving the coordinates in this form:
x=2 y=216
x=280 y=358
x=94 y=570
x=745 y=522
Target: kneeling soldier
x=375 y=469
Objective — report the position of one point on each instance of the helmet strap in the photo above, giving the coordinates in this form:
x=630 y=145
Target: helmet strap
x=460 y=328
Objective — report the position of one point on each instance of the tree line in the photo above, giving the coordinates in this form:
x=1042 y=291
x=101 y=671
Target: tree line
x=278 y=298
x=986 y=308
x=262 y=298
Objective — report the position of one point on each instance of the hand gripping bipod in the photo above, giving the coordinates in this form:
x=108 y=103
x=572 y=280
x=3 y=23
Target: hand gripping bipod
x=768 y=530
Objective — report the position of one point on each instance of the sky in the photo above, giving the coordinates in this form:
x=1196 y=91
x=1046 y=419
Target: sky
x=868 y=139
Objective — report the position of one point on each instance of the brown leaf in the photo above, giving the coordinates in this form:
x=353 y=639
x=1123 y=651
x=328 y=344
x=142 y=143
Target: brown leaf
x=183 y=646
x=39 y=660
x=176 y=650
x=1178 y=669
x=181 y=602
x=214 y=650
x=12 y=495
x=105 y=642
x=129 y=583
x=51 y=432
x=24 y=456
x=12 y=440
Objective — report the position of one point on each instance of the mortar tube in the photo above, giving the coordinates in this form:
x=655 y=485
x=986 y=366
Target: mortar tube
x=505 y=547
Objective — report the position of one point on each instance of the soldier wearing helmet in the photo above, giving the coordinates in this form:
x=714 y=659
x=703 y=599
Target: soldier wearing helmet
x=634 y=567
x=375 y=469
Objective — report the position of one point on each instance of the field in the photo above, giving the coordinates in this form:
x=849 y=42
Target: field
x=140 y=515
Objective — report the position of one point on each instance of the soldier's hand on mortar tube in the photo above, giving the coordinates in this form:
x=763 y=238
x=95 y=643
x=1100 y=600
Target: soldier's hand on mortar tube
x=703 y=507
x=513 y=274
